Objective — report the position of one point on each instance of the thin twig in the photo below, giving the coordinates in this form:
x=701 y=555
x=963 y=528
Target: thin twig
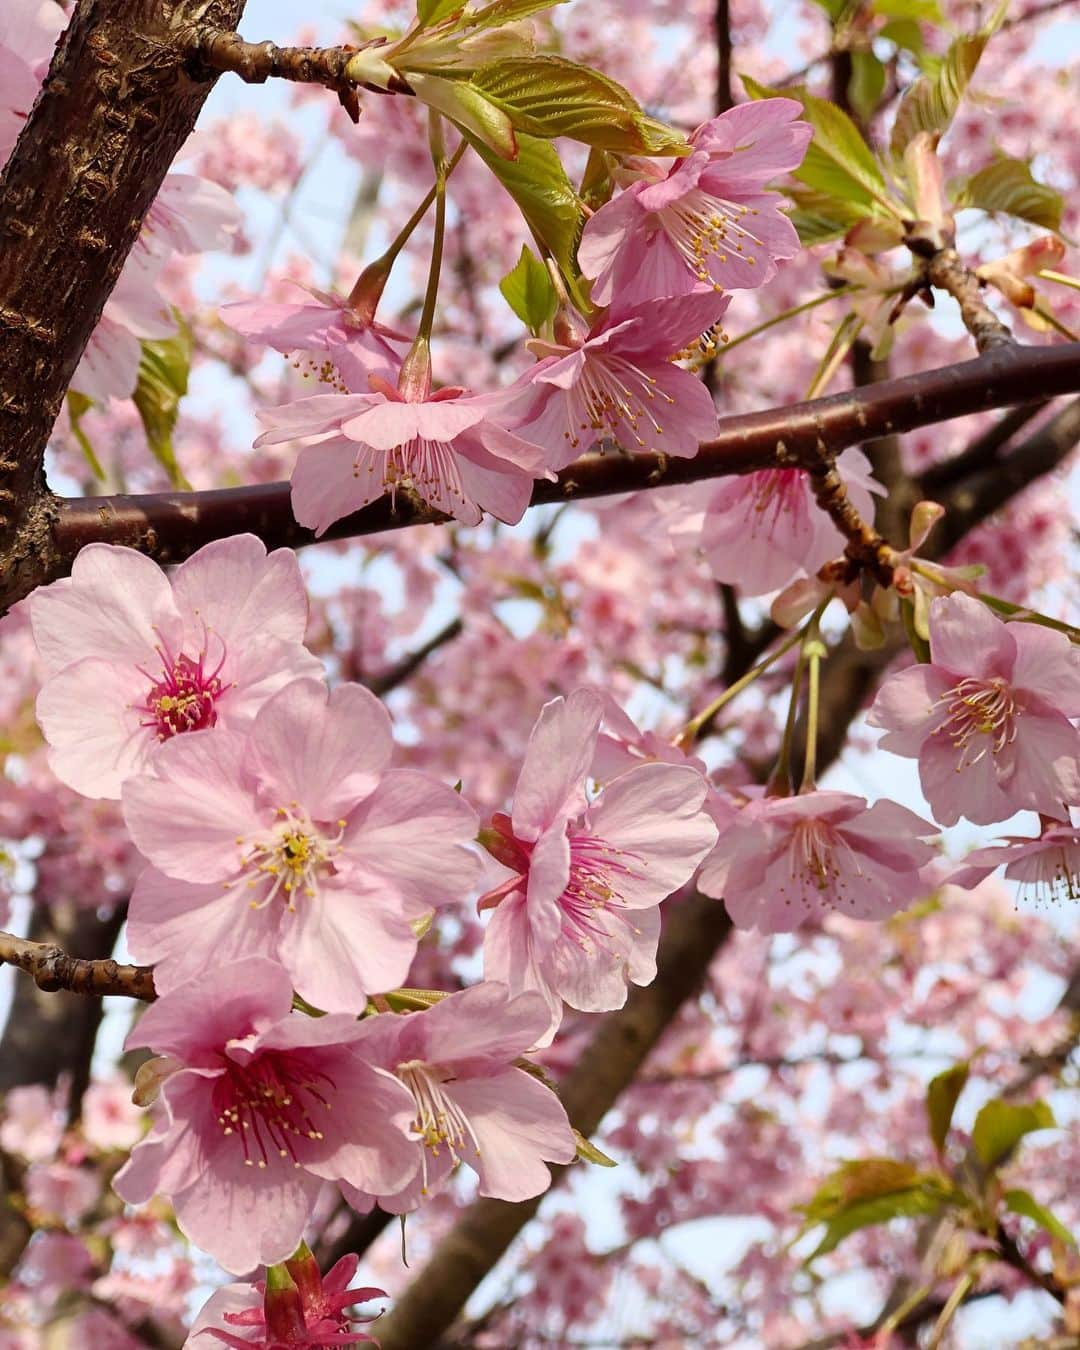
x=52 y=969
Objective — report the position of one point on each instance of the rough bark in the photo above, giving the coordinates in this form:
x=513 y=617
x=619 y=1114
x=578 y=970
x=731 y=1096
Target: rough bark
x=116 y=106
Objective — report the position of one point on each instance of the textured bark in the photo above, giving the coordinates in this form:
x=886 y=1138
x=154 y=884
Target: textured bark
x=53 y=969
x=116 y=106
x=170 y=526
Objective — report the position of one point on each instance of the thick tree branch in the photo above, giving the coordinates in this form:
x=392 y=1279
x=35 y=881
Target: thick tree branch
x=52 y=969
x=171 y=526
x=116 y=106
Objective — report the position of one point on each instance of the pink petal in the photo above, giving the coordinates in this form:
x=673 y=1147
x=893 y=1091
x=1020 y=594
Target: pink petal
x=519 y=1123
x=90 y=715
x=234 y=589
x=551 y=784
x=333 y=479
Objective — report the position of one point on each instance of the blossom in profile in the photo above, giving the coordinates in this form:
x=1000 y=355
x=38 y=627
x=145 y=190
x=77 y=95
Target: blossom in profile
x=133 y=658
x=785 y=861
x=450 y=448
x=577 y=914
x=1047 y=868
x=256 y=1107
x=704 y=221
x=472 y=1104
x=325 y=335
x=295 y=840
x=988 y=717
x=619 y=381
x=761 y=530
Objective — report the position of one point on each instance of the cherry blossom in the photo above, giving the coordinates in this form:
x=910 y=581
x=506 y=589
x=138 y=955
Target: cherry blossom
x=1047 y=867
x=471 y=1103
x=760 y=531
x=706 y=219
x=988 y=717
x=787 y=860
x=449 y=447
x=257 y=1107
x=328 y=337
x=578 y=913
x=618 y=380
x=294 y=841
x=133 y=658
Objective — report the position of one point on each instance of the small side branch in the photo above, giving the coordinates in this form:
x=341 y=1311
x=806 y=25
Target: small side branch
x=865 y=547
x=946 y=271
x=52 y=969
x=256 y=62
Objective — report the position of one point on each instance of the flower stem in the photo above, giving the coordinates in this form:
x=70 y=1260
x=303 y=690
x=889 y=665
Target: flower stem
x=415 y=379
x=814 y=651
x=779 y=784
x=784 y=315
x=366 y=294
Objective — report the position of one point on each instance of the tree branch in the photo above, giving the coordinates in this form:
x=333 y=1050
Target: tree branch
x=255 y=62
x=946 y=271
x=116 y=106
x=171 y=526
x=52 y=969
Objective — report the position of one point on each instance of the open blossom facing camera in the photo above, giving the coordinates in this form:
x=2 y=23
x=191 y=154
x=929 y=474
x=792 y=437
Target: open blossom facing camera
x=448 y=447
x=786 y=860
x=297 y=842
x=619 y=380
x=472 y=1104
x=133 y=658
x=706 y=220
x=578 y=913
x=988 y=717
x=257 y=1107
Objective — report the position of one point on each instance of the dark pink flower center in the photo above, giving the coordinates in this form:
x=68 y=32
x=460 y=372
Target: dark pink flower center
x=980 y=718
x=779 y=498
x=184 y=696
x=272 y=1105
x=596 y=869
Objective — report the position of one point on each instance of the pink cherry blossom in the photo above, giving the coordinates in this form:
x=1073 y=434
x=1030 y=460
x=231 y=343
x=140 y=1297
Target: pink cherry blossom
x=619 y=381
x=311 y=1313
x=760 y=531
x=1047 y=868
x=578 y=914
x=988 y=717
x=329 y=337
x=787 y=860
x=471 y=1104
x=449 y=447
x=133 y=658
x=294 y=842
x=258 y=1107
x=706 y=219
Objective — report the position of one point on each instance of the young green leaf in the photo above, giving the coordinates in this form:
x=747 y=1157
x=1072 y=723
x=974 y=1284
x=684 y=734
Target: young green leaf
x=1007 y=185
x=1001 y=1125
x=838 y=163
x=1023 y=1202
x=546 y=198
x=819 y=217
x=163 y=381
x=926 y=11
x=508 y=11
x=867 y=83
x=548 y=96
x=434 y=11
x=942 y=1095
x=527 y=289
x=588 y=1152
x=931 y=102
x=871 y=1191
x=469 y=110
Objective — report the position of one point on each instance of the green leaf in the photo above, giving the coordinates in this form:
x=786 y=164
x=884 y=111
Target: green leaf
x=1001 y=1125
x=472 y=113
x=1007 y=185
x=508 y=11
x=546 y=198
x=411 y=1000
x=905 y=34
x=833 y=8
x=588 y=1152
x=871 y=1191
x=942 y=1094
x=548 y=96
x=820 y=217
x=1023 y=1202
x=434 y=11
x=867 y=83
x=162 y=383
x=926 y=11
x=527 y=289
x=597 y=184
x=78 y=406
x=931 y=102
x=838 y=162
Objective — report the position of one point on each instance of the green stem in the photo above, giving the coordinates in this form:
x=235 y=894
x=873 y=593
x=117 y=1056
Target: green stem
x=780 y=778
x=1061 y=278
x=784 y=315
x=690 y=732
x=956 y=1297
x=415 y=378
x=814 y=650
